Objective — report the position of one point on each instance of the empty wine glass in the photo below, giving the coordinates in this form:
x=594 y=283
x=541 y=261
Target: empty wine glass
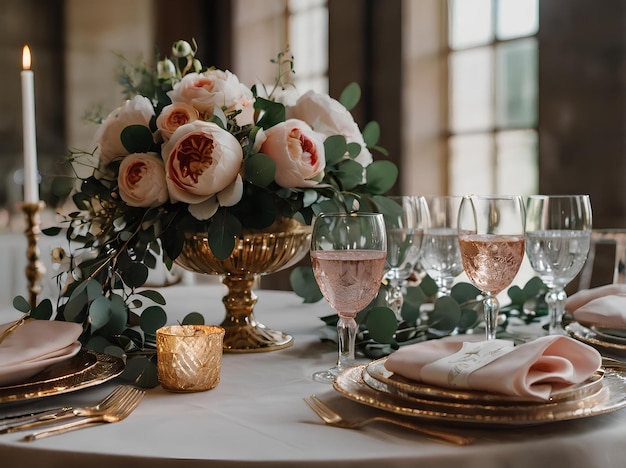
x=348 y=253
x=558 y=236
x=440 y=255
x=405 y=218
x=491 y=238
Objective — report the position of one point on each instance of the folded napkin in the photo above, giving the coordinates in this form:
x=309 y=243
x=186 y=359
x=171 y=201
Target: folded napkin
x=35 y=345
x=604 y=306
x=531 y=370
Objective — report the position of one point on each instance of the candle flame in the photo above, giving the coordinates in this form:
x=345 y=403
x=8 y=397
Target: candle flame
x=26 y=58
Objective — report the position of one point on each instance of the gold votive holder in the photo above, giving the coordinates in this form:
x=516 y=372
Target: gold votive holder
x=189 y=357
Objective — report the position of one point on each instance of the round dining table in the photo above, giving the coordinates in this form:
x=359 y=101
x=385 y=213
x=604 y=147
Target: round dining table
x=257 y=417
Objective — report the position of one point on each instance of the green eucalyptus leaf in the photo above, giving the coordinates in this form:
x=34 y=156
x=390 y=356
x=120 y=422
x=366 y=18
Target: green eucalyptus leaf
x=304 y=285
x=273 y=112
x=21 y=304
x=82 y=201
x=382 y=325
x=259 y=169
x=99 y=313
x=51 y=231
x=137 y=139
x=93 y=289
x=371 y=134
x=534 y=287
x=154 y=296
x=221 y=240
x=463 y=292
x=135 y=275
x=517 y=295
x=381 y=176
x=413 y=300
x=98 y=343
x=43 y=310
x=429 y=286
x=335 y=148
x=76 y=305
x=152 y=318
x=141 y=372
x=470 y=318
x=445 y=316
x=193 y=318
x=119 y=315
x=350 y=174
x=354 y=149
x=350 y=96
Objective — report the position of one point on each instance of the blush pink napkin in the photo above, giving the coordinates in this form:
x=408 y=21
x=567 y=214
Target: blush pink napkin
x=35 y=345
x=604 y=306
x=531 y=370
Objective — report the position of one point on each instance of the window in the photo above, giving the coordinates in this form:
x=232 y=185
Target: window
x=492 y=111
x=308 y=43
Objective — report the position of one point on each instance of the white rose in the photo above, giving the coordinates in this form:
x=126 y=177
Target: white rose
x=141 y=180
x=202 y=164
x=298 y=152
x=215 y=88
x=137 y=111
x=329 y=117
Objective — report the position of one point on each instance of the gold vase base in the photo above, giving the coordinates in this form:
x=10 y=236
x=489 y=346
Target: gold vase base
x=255 y=338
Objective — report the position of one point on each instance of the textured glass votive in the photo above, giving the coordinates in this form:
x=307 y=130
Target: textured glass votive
x=189 y=357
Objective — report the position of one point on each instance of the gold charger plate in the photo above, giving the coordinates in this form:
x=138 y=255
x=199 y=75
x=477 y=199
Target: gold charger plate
x=403 y=386
x=85 y=369
x=611 y=397
x=593 y=338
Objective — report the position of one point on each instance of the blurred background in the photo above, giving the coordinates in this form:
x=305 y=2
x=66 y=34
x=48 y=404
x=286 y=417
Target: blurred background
x=473 y=96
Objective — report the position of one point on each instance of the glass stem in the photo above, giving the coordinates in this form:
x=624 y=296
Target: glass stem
x=395 y=298
x=346 y=332
x=555 y=298
x=492 y=308
x=444 y=284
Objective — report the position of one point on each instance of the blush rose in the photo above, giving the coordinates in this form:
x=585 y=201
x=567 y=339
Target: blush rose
x=298 y=152
x=141 y=180
x=202 y=164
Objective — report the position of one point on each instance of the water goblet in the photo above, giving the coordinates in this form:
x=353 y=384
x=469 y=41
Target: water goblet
x=405 y=223
x=491 y=239
x=558 y=236
x=440 y=256
x=348 y=252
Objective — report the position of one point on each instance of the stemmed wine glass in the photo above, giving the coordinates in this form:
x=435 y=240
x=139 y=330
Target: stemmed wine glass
x=440 y=255
x=491 y=238
x=348 y=253
x=405 y=223
x=558 y=236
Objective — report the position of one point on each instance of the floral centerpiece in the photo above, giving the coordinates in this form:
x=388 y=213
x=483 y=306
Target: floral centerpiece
x=194 y=149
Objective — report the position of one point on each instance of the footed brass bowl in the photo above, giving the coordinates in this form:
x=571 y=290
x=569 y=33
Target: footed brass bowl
x=257 y=252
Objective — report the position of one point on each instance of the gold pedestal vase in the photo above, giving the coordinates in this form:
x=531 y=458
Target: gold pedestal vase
x=257 y=252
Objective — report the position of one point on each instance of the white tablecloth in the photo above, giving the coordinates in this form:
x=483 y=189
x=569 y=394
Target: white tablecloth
x=256 y=416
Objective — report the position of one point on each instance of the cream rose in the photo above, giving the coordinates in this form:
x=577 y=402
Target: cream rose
x=173 y=116
x=202 y=164
x=213 y=88
x=137 y=111
x=298 y=152
x=329 y=117
x=141 y=180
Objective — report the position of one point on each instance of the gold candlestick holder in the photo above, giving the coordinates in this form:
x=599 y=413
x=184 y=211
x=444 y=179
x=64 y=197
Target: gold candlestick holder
x=35 y=269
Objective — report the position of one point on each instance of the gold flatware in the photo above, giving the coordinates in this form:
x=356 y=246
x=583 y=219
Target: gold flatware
x=112 y=415
x=613 y=363
x=14 y=326
x=332 y=418
x=117 y=397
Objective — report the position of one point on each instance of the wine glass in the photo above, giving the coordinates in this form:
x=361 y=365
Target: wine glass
x=405 y=222
x=440 y=255
x=491 y=238
x=558 y=236
x=348 y=253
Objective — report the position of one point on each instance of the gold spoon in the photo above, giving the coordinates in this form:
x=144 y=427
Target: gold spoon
x=14 y=327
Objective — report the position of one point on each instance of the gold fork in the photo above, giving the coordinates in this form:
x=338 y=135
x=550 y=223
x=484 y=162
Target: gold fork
x=118 y=396
x=332 y=418
x=114 y=414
